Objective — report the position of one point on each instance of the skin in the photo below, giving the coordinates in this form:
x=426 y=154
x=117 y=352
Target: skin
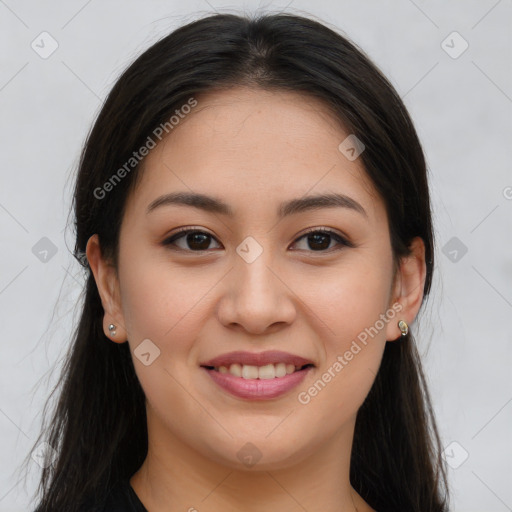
x=253 y=149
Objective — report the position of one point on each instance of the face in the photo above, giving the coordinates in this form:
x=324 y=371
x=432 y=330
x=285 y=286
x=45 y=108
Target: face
x=314 y=282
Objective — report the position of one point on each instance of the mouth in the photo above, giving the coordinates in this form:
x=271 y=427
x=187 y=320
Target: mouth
x=266 y=372
x=258 y=383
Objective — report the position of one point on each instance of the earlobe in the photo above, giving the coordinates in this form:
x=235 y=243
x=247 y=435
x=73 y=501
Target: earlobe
x=408 y=289
x=107 y=283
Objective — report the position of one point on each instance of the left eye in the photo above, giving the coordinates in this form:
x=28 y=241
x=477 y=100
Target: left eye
x=318 y=240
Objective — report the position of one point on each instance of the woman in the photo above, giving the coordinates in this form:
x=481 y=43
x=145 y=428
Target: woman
x=253 y=216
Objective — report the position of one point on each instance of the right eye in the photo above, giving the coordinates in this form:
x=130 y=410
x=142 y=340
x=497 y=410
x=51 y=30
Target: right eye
x=195 y=239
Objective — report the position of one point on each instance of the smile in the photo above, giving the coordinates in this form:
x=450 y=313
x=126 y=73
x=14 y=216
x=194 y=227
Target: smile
x=269 y=371
x=258 y=383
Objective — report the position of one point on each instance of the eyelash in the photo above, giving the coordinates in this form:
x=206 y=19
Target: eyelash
x=184 y=231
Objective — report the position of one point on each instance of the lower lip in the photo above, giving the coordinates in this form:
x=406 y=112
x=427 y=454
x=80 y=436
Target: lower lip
x=258 y=389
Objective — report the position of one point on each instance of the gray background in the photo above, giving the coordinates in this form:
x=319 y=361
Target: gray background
x=461 y=106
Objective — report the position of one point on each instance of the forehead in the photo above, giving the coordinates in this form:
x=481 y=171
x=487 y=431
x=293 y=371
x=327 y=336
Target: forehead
x=252 y=147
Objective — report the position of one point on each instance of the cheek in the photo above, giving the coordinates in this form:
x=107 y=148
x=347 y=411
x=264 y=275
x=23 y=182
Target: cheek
x=352 y=351
x=163 y=302
x=165 y=305
x=345 y=309
x=347 y=298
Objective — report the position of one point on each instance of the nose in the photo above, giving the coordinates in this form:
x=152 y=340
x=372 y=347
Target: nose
x=256 y=298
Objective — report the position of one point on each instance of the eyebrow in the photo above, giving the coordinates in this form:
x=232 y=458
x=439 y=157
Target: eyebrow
x=294 y=206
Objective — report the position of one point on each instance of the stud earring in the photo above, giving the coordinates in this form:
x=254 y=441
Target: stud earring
x=404 y=328
x=112 y=329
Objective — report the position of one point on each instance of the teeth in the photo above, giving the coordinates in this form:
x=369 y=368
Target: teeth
x=268 y=371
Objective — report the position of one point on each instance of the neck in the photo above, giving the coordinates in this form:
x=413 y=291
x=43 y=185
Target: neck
x=174 y=474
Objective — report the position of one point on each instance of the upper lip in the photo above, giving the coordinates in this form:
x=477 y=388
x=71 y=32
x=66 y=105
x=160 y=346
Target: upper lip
x=257 y=359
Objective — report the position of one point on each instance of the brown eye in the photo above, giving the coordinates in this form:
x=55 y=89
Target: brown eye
x=194 y=240
x=319 y=240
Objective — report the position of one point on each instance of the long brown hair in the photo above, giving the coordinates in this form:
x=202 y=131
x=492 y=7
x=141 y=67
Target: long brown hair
x=98 y=428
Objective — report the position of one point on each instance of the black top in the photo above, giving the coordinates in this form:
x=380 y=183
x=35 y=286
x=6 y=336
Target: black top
x=122 y=498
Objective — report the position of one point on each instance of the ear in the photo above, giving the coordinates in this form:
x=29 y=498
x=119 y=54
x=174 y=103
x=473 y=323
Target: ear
x=408 y=288
x=107 y=282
